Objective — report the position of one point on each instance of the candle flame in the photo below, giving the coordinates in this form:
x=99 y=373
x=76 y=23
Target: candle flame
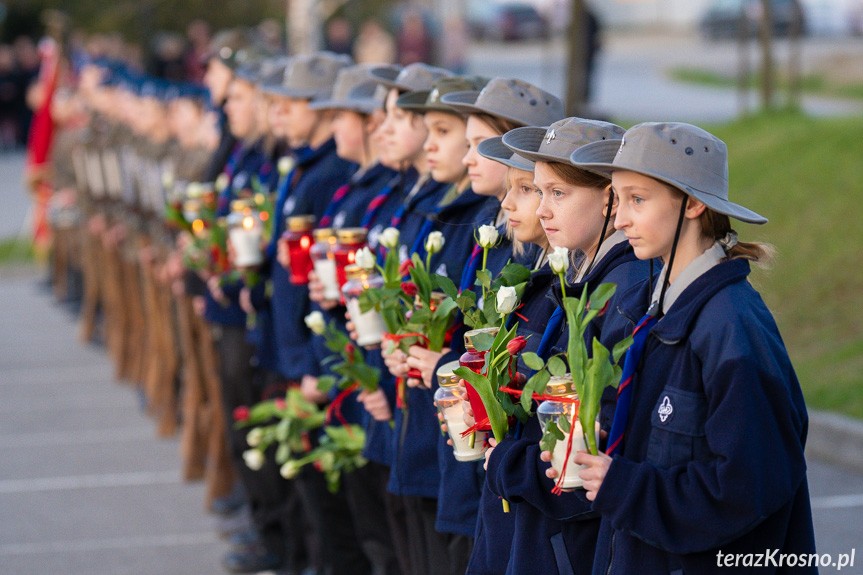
x=248 y=222
x=264 y=216
x=198 y=226
x=305 y=242
x=352 y=256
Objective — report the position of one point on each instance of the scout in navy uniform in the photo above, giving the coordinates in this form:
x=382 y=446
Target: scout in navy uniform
x=307 y=190
x=358 y=104
x=413 y=195
x=575 y=210
x=499 y=106
x=246 y=163
x=710 y=426
x=494 y=528
x=454 y=217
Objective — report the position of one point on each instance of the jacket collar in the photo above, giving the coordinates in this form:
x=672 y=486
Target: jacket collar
x=307 y=156
x=466 y=201
x=675 y=326
x=619 y=254
x=677 y=323
x=372 y=173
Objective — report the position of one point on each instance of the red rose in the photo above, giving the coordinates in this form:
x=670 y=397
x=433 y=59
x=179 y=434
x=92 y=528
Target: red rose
x=405 y=268
x=241 y=413
x=516 y=345
x=410 y=288
x=280 y=403
x=349 y=349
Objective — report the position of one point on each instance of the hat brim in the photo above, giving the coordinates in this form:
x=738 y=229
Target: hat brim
x=594 y=157
x=293 y=93
x=494 y=149
x=359 y=106
x=526 y=142
x=465 y=103
x=416 y=102
x=386 y=76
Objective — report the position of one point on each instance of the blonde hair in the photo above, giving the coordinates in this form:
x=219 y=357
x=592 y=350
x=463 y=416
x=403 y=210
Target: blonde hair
x=518 y=247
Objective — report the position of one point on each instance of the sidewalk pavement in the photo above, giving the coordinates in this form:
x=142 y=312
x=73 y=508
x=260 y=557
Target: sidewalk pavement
x=86 y=488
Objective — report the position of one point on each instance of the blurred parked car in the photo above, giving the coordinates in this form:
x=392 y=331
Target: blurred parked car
x=509 y=21
x=722 y=19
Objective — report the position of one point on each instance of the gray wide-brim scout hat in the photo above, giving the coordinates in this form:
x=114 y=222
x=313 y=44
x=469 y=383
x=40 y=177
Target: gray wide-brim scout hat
x=422 y=101
x=411 y=78
x=681 y=155
x=494 y=149
x=354 y=90
x=510 y=99
x=310 y=76
x=272 y=70
x=557 y=142
x=260 y=67
x=226 y=46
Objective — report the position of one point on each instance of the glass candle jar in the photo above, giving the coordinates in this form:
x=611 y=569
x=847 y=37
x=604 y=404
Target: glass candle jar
x=449 y=399
x=551 y=410
x=350 y=241
x=369 y=326
x=245 y=229
x=475 y=361
x=298 y=238
x=324 y=261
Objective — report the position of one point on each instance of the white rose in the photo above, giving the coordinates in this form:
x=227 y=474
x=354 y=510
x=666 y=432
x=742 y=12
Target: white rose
x=290 y=469
x=222 y=182
x=255 y=437
x=435 y=242
x=366 y=259
x=390 y=238
x=285 y=165
x=315 y=322
x=194 y=190
x=507 y=300
x=559 y=260
x=167 y=179
x=488 y=236
x=254 y=459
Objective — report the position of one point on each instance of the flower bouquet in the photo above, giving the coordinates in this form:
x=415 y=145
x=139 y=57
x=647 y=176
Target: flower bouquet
x=580 y=390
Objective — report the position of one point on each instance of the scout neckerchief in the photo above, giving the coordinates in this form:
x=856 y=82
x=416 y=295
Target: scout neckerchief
x=238 y=153
x=301 y=156
x=379 y=200
x=337 y=200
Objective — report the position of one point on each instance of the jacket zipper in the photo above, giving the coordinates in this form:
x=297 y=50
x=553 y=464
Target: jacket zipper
x=611 y=553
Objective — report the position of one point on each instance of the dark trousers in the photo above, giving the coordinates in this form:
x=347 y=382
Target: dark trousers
x=331 y=536
x=432 y=552
x=365 y=489
x=271 y=498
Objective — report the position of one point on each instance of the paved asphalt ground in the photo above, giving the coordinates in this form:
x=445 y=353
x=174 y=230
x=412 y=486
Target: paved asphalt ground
x=87 y=488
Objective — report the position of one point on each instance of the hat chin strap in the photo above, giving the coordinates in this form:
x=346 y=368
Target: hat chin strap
x=657 y=310
x=602 y=234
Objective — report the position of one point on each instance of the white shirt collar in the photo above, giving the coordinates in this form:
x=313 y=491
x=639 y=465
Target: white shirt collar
x=696 y=268
x=617 y=237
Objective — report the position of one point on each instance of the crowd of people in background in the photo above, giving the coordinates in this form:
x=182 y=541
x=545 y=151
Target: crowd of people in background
x=19 y=66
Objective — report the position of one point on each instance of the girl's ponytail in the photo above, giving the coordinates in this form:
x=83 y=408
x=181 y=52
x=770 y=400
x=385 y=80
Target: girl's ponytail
x=718 y=227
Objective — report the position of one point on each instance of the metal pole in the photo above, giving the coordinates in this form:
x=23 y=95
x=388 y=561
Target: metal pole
x=743 y=69
x=795 y=58
x=766 y=36
x=577 y=68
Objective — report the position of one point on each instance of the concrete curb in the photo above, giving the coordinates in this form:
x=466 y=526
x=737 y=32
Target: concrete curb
x=835 y=439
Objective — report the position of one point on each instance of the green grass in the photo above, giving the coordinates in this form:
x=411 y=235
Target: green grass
x=15 y=252
x=814 y=84
x=806 y=176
